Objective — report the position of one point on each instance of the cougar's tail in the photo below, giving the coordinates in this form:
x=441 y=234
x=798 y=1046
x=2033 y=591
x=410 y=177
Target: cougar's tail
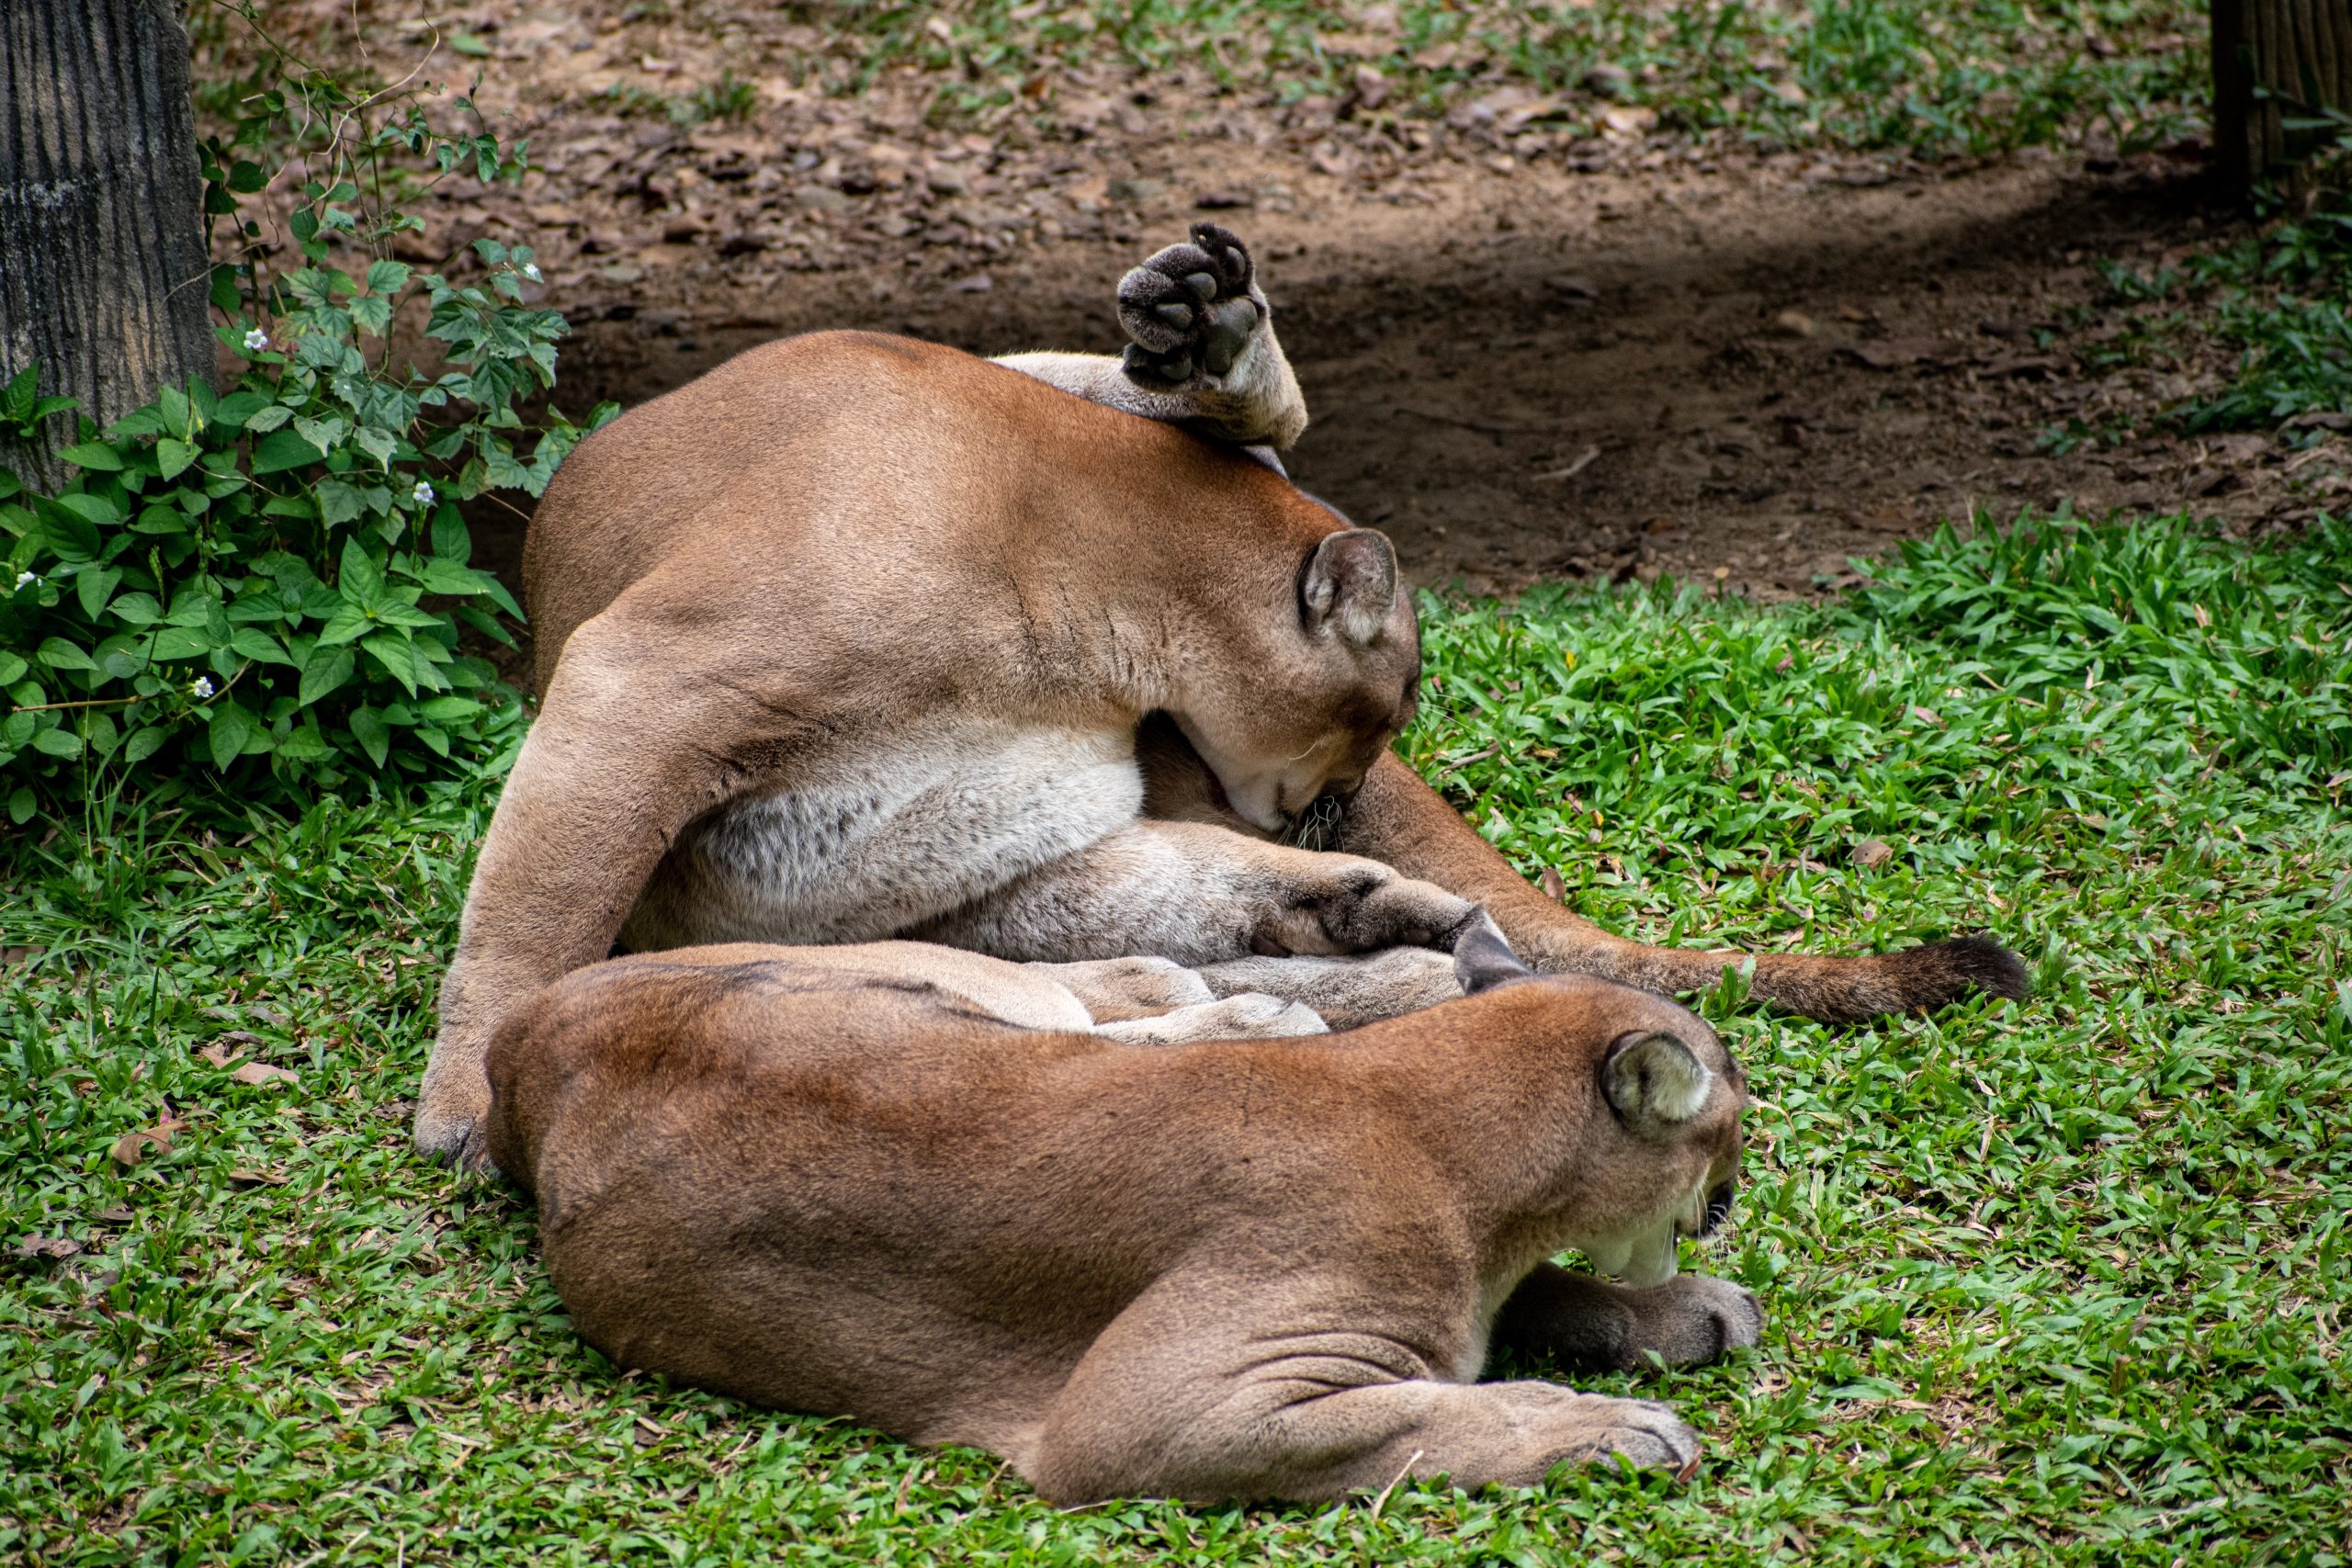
x=1835 y=990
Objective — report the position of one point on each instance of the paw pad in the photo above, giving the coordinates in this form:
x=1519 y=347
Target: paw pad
x=1189 y=310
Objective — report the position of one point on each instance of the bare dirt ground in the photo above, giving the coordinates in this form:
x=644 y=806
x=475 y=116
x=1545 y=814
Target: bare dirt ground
x=1527 y=357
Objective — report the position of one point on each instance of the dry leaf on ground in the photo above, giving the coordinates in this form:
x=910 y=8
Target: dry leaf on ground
x=259 y=1073
x=131 y=1146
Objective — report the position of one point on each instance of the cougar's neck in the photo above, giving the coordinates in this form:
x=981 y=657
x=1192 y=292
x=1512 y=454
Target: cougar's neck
x=1140 y=613
x=1502 y=1098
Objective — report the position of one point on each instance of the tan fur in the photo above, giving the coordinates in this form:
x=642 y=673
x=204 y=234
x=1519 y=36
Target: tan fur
x=857 y=638
x=751 y=651
x=834 y=1180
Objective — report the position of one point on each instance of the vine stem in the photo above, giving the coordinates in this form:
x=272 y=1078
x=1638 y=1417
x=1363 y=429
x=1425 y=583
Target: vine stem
x=85 y=702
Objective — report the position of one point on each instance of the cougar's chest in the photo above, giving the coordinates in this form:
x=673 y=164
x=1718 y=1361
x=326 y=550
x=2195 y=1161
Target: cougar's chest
x=887 y=833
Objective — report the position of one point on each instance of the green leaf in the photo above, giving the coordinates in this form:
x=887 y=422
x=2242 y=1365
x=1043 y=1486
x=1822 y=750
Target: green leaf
x=371 y=314
x=338 y=503
x=348 y=622
x=60 y=654
x=323 y=434
x=120 y=657
x=11 y=667
x=95 y=455
x=375 y=737
x=394 y=654
x=20 y=806
x=17 y=396
x=99 y=731
x=172 y=407
x=237 y=408
x=227 y=731
x=70 y=531
x=450 y=539
x=447 y=577
x=266 y=419
x=135 y=610
x=246 y=177
x=143 y=744
x=176 y=643
x=377 y=444
x=386 y=277
x=174 y=457
x=58 y=742
x=252 y=642
x=92 y=586
x=305 y=745
x=281 y=450
x=358 y=577
x=450 y=710
x=328 y=668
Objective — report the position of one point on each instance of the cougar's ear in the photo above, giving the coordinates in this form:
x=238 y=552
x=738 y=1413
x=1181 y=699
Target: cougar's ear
x=1350 y=584
x=1653 y=1080
x=1483 y=960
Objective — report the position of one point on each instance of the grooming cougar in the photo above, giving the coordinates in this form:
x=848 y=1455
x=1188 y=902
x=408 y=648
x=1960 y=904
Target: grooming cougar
x=857 y=638
x=1236 y=1270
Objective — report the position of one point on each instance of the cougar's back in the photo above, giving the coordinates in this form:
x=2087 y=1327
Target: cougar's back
x=857 y=452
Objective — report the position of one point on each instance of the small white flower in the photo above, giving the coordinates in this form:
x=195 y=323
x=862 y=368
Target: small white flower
x=26 y=578
x=201 y=686
x=422 y=493
x=256 y=341
x=531 y=270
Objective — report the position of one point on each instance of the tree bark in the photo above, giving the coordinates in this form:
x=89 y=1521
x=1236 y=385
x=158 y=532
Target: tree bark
x=103 y=273
x=2275 y=61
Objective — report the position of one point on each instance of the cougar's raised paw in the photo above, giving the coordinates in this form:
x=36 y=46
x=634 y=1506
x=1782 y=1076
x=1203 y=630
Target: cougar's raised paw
x=1190 y=310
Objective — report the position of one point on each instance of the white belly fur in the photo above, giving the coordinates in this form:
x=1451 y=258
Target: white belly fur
x=901 y=832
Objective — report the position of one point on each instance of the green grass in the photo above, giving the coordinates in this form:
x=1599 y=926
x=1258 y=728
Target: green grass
x=2054 y=1282
x=1932 y=76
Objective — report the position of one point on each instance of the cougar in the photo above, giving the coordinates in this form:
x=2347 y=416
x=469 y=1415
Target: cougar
x=857 y=638
x=904 y=1184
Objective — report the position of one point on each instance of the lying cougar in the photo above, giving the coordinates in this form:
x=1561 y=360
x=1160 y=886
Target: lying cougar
x=856 y=637
x=891 y=1182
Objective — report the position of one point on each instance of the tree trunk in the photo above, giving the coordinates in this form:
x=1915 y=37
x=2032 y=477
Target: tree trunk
x=2275 y=61
x=103 y=275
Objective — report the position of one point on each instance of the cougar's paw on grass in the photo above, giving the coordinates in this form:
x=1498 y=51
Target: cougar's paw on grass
x=1191 y=311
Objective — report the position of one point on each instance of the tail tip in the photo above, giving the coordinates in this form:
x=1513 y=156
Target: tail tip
x=1982 y=963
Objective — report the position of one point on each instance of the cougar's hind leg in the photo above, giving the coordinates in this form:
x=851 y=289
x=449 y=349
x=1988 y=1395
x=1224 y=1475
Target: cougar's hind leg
x=1244 y=1017
x=1200 y=895
x=1346 y=991
x=1397 y=819
x=1118 y=989
x=1201 y=349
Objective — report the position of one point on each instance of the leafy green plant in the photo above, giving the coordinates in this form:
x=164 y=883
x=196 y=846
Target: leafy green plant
x=282 y=570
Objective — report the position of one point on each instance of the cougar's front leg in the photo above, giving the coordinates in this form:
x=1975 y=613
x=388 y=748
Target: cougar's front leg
x=625 y=752
x=1202 y=350
x=1205 y=1389
x=1399 y=819
x=1199 y=895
